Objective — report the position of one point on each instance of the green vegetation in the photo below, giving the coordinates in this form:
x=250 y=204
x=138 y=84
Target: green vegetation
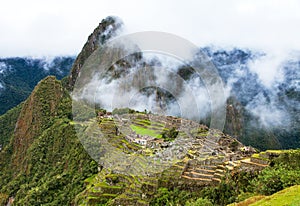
x=7 y=124
x=82 y=112
x=43 y=162
x=284 y=172
x=167 y=197
x=52 y=166
x=123 y=111
x=288 y=196
x=170 y=135
x=145 y=131
x=23 y=74
x=199 y=202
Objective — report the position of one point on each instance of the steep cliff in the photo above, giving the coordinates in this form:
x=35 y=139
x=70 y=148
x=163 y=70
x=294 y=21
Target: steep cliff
x=44 y=156
x=105 y=30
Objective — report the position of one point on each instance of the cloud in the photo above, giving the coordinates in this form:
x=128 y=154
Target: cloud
x=3 y=67
x=268 y=68
x=270 y=113
x=137 y=89
x=55 y=27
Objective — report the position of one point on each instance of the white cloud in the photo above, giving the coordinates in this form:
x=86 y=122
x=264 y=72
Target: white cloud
x=269 y=68
x=269 y=113
x=3 y=67
x=61 y=27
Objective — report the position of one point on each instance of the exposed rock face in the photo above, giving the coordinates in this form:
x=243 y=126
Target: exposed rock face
x=234 y=118
x=36 y=115
x=105 y=30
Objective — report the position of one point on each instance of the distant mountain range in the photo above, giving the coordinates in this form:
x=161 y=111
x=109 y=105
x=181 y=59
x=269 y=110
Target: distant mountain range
x=18 y=76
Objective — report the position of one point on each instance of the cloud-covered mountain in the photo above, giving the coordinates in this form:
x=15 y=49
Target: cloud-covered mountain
x=261 y=90
x=18 y=76
x=265 y=91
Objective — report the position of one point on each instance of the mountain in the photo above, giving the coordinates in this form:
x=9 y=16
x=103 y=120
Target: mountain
x=41 y=158
x=18 y=77
x=60 y=148
x=261 y=111
x=44 y=160
x=259 y=114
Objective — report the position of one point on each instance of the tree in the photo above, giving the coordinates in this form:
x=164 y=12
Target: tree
x=170 y=135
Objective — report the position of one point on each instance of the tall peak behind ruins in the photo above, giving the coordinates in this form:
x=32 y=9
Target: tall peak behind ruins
x=108 y=28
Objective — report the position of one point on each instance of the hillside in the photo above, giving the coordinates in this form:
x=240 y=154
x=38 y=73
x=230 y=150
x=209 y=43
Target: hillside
x=288 y=196
x=44 y=156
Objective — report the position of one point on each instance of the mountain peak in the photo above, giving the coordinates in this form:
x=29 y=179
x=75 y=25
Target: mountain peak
x=108 y=28
x=36 y=115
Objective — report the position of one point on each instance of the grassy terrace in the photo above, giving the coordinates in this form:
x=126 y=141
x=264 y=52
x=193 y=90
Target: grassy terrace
x=264 y=155
x=145 y=131
x=147 y=127
x=148 y=123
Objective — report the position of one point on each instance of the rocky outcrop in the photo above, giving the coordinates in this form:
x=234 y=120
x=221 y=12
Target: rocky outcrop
x=234 y=118
x=105 y=30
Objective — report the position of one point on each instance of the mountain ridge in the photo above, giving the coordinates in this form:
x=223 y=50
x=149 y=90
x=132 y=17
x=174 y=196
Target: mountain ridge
x=19 y=76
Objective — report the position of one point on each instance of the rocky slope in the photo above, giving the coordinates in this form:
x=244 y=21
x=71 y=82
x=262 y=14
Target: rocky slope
x=104 y=31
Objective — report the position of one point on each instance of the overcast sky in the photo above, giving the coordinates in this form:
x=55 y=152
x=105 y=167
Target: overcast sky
x=61 y=27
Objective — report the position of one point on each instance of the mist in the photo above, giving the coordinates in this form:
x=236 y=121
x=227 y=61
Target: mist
x=138 y=89
x=260 y=81
x=156 y=82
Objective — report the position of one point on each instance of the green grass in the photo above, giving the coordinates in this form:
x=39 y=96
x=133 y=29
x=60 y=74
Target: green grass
x=288 y=197
x=255 y=155
x=260 y=155
x=90 y=179
x=277 y=151
x=142 y=121
x=248 y=201
x=145 y=131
